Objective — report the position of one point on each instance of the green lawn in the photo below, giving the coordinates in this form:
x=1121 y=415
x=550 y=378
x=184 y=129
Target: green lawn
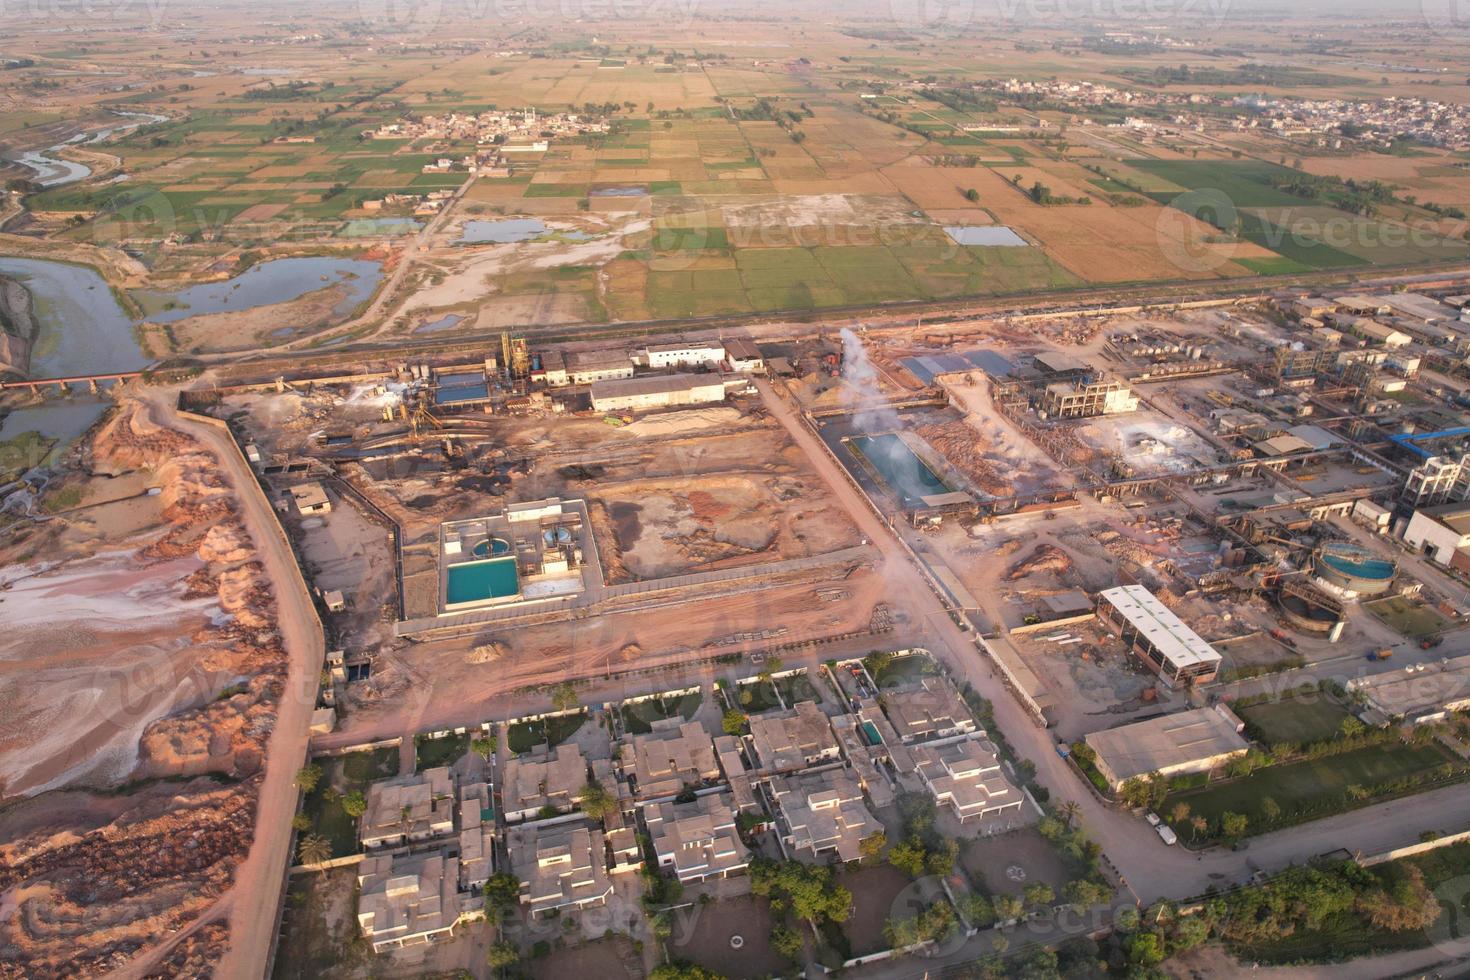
x=905 y=670
x=638 y=716
x=340 y=776
x=1299 y=720
x=756 y=696
x=798 y=687
x=1311 y=789
x=527 y=735
x=433 y=752
x=1414 y=620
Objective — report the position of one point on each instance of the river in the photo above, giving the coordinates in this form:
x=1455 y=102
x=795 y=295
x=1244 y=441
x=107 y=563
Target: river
x=81 y=330
x=52 y=171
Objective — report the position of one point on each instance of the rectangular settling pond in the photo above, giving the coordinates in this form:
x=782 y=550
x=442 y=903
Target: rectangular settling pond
x=896 y=463
x=481 y=581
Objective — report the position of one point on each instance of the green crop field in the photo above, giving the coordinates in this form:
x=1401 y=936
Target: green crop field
x=1311 y=788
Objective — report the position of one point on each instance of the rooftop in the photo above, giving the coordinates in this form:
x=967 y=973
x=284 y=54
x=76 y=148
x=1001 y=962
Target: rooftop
x=1167 y=742
x=965 y=775
x=653 y=384
x=791 y=739
x=667 y=759
x=698 y=840
x=823 y=810
x=559 y=867
x=544 y=779
x=415 y=806
x=590 y=360
x=1158 y=624
x=934 y=708
x=404 y=896
x=1413 y=693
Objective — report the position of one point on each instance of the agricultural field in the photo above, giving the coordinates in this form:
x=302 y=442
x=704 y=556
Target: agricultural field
x=747 y=181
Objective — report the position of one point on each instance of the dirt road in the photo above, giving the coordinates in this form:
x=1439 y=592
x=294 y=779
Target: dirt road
x=389 y=290
x=1151 y=869
x=251 y=902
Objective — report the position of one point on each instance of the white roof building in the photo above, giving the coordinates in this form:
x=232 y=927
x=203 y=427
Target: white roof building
x=1171 y=649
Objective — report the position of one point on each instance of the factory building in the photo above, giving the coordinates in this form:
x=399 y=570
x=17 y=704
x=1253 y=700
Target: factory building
x=743 y=357
x=1443 y=533
x=1061 y=400
x=685 y=354
x=588 y=367
x=1421 y=693
x=1172 y=650
x=660 y=391
x=1172 y=745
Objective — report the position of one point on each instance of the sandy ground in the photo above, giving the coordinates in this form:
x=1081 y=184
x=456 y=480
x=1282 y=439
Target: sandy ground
x=110 y=644
x=471 y=279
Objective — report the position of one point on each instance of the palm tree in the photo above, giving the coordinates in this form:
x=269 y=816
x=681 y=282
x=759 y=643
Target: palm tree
x=1071 y=810
x=314 y=849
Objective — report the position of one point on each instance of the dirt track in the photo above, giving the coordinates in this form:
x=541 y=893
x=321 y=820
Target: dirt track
x=251 y=902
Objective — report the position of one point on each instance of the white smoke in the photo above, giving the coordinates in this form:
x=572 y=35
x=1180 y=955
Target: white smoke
x=863 y=395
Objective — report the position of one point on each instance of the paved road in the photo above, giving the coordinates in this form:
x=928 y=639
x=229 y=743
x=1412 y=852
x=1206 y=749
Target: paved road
x=251 y=902
x=1151 y=869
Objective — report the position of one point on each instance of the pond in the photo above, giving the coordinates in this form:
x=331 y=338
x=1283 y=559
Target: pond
x=268 y=283
x=985 y=235
x=59 y=420
x=443 y=323
x=503 y=231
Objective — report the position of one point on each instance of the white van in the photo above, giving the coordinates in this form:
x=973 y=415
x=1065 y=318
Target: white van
x=1167 y=835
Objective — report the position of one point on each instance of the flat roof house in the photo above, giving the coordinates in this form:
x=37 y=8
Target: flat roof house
x=665 y=760
x=310 y=498
x=561 y=868
x=932 y=710
x=822 y=812
x=1191 y=741
x=541 y=779
x=966 y=777
x=698 y=840
x=792 y=739
x=1172 y=650
x=744 y=357
x=407 y=899
x=408 y=808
